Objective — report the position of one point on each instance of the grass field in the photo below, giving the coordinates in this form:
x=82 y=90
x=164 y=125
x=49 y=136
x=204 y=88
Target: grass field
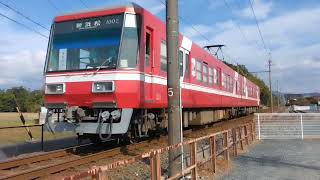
x=19 y=135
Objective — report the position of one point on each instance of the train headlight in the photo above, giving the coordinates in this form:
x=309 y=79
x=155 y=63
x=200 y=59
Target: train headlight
x=103 y=87
x=55 y=88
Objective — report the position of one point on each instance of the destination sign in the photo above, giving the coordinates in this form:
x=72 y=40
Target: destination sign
x=97 y=23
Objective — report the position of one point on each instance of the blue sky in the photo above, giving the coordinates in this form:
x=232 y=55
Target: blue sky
x=290 y=29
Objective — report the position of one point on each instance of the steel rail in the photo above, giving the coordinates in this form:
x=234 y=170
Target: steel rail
x=61 y=166
x=31 y=159
x=16 y=162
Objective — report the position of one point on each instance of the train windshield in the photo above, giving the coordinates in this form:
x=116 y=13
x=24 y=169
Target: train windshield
x=93 y=43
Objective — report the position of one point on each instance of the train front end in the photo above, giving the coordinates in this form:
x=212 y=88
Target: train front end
x=91 y=73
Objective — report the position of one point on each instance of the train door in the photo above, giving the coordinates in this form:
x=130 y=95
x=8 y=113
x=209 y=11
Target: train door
x=184 y=65
x=184 y=71
x=149 y=64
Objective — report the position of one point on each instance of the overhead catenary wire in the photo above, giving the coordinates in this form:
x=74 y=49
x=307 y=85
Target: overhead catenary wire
x=84 y=4
x=201 y=34
x=23 y=15
x=192 y=26
x=235 y=22
x=54 y=6
x=23 y=25
x=257 y=24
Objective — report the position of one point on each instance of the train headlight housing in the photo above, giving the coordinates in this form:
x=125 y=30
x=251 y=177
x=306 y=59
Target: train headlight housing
x=103 y=87
x=55 y=88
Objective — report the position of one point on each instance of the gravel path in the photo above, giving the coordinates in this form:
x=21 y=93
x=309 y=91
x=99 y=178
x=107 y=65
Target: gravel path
x=279 y=159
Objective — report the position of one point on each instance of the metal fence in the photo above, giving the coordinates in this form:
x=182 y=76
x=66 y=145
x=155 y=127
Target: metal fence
x=287 y=125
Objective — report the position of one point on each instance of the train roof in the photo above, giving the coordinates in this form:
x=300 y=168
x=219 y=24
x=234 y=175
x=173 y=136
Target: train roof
x=87 y=13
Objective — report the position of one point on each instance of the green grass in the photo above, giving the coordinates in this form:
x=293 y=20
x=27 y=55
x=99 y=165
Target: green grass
x=17 y=123
x=20 y=135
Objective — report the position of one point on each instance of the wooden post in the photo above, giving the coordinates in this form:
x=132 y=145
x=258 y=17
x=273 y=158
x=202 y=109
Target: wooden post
x=155 y=166
x=226 y=146
x=213 y=153
x=252 y=132
x=193 y=149
x=240 y=138
x=234 y=140
x=97 y=175
x=246 y=134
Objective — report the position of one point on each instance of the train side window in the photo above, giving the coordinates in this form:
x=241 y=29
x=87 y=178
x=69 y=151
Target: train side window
x=224 y=81
x=186 y=73
x=199 y=71
x=205 y=73
x=218 y=77
x=210 y=76
x=231 y=84
x=163 y=54
x=148 y=49
x=181 y=62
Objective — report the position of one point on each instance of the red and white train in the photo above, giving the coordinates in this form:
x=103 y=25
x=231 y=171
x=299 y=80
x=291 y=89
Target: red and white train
x=105 y=74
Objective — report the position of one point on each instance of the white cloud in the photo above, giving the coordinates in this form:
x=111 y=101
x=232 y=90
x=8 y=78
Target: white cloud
x=295 y=44
x=153 y=6
x=22 y=56
x=157 y=9
x=261 y=8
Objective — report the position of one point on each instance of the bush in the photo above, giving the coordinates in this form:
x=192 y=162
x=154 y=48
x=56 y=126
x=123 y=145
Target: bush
x=27 y=100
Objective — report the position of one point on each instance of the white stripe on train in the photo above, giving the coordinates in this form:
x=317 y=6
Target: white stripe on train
x=119 y=76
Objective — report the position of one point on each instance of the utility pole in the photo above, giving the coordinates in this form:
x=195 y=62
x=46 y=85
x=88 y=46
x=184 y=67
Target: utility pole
x=173 y=83
x=270 y=84
x=278 y=94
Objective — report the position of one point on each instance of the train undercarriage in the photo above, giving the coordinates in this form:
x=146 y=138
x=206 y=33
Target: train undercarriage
x=127 y=124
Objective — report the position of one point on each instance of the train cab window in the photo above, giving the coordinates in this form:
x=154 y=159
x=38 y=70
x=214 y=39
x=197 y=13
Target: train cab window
x=163 y=54
x=181 y=62
x=148 y=49
x=205 y=73
x=198 y=71
x=210 y=76
x=186 y=73
x=130 y=42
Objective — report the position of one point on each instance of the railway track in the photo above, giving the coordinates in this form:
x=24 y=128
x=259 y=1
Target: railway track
x=60 y=166
x=68 y=159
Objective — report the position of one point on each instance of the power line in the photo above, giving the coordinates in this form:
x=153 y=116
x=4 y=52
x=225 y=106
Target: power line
x=54 y=6
x=25 y=26
x=257 y=23
x=21 y=14
x=235 y=22
x=192 y=26
x=84 y=4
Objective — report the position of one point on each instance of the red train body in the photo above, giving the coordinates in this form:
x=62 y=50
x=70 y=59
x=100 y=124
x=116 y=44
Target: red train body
x=115 y=59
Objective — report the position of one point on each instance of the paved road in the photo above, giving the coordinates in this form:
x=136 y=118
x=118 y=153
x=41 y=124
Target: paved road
x=279 y=159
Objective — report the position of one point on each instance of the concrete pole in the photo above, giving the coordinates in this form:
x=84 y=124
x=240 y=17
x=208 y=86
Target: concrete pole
x=174 y=116
x=278 y=94
x=270 y=85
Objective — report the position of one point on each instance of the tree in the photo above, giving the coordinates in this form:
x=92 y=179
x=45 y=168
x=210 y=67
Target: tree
x=28 y=101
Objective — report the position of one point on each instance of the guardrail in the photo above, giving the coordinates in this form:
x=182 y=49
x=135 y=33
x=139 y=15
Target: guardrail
x=230 y=139
x=288 y=125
